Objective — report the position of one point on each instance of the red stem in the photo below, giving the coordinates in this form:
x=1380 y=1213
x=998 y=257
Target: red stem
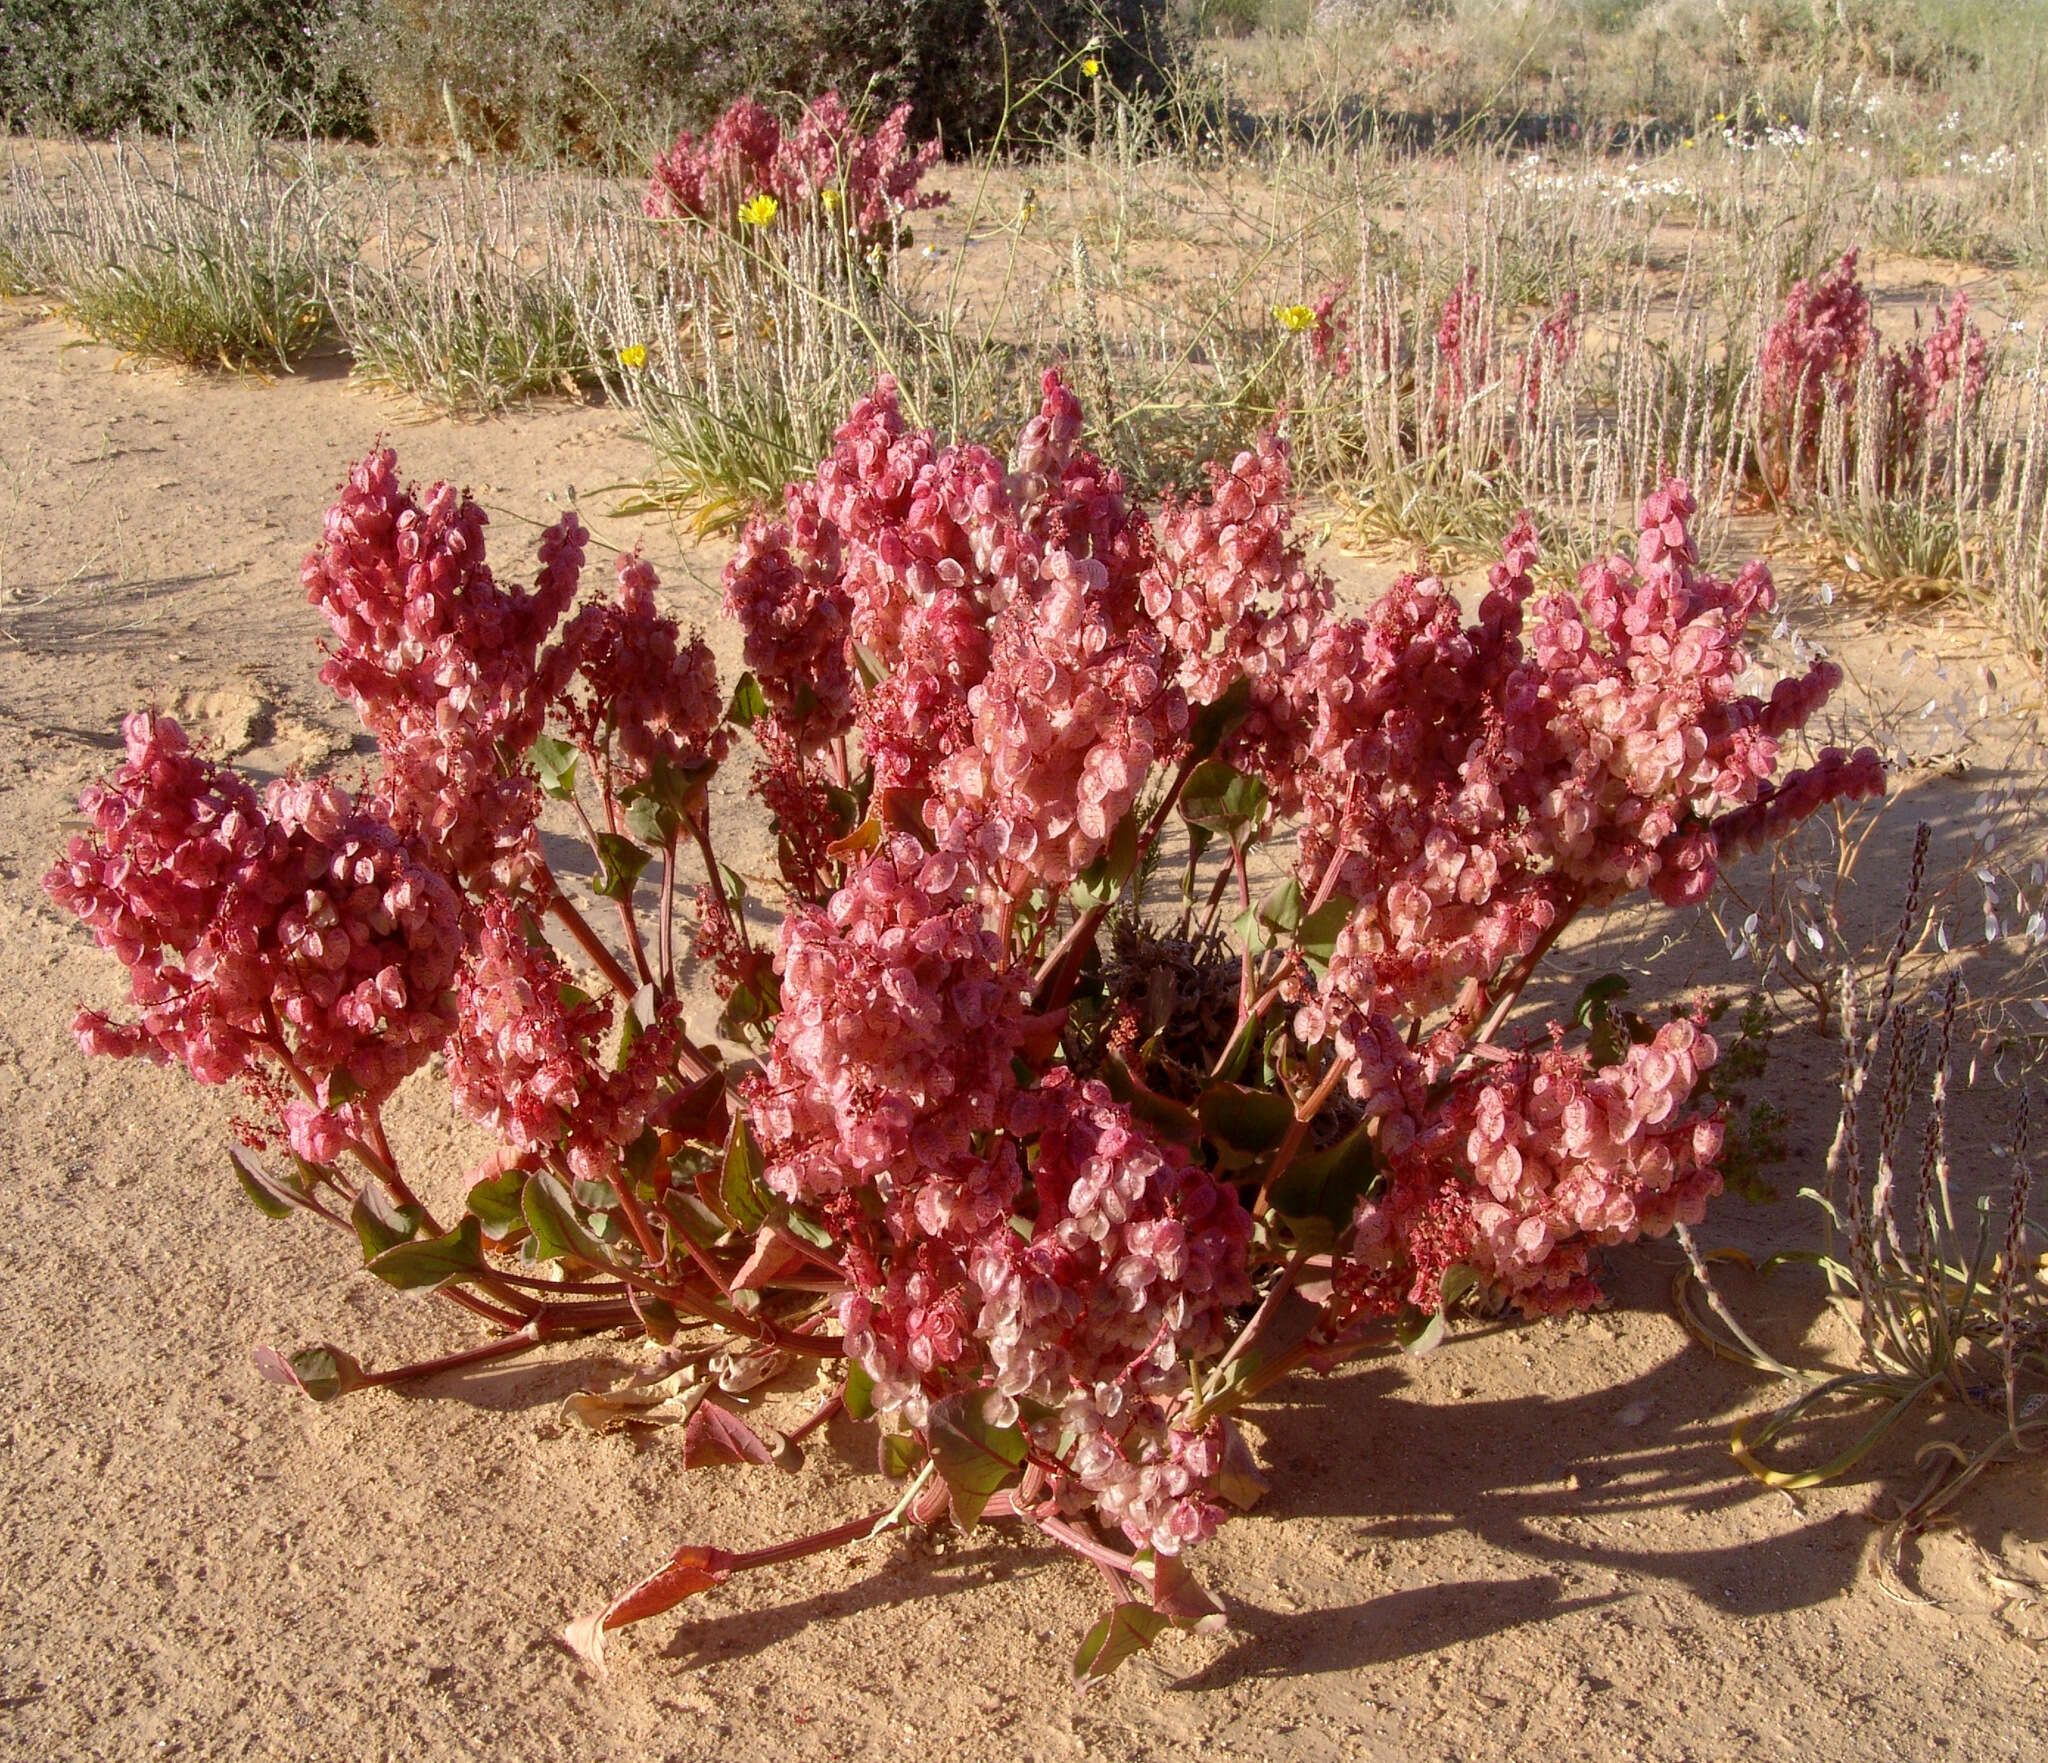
x=1304 y=1115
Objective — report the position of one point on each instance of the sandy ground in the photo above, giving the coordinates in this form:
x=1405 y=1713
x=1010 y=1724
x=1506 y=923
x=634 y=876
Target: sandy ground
x=1533 y=1542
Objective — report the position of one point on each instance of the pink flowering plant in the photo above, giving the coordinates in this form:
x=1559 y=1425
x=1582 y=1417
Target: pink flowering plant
x=749 y=173
x=1053 y=1164
x=1816 y=353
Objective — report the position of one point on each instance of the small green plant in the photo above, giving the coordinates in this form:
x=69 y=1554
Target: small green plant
x=207 y=251
x=484 y=308
x=1946 y=1303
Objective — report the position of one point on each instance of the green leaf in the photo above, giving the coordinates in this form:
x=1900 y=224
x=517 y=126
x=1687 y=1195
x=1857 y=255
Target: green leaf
x=749 y=703
x=745 y=1198
x=1419 y=1335
x=658 y=1316
x=974 y=1458
x=1246 y=1120
x=897 y=1454
x=556 y=762
x=551 y=1216
x=495 y=1201
x=809 y=1229
x=1328 y=1184
x=1283 y=911
x=1598 y=995
x=1180 y=1597
x=595 y=1196
x=1316 y=936
x=379 y=1223
x=1168 y=1118
x=1103 y=880
x=431 y=1263
x=321 y=1372
x=621 y=861
x=1222 y=799
x=1218 y=721
x=651 y=822
x=859 y=1400
x=694 y=1218
x=270 y=1196
x=1127 y=1629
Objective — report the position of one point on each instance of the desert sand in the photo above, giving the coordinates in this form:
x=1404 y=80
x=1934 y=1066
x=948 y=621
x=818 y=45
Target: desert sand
x=1531 y=1543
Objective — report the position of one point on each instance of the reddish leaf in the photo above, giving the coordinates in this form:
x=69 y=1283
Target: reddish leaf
x=717 y=1435
x=690 y=1570
x=1241 y=1482
x=974 y=1458
x=1127 y=1629
x=1180 y=1597
x=772 y=1257
x=320 y=1372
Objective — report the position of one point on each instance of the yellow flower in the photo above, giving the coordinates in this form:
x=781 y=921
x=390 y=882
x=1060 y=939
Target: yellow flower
x=1295 y=318
x=1090 y=67
x=759 y=210
x=633 y=355
x=831 y=198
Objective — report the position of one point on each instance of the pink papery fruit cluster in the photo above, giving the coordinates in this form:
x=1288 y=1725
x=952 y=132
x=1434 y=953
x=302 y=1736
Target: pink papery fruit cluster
x=823 y=171
x=1924 y=387
x=441 y=663
x=1234 y=598
x=890 y=1064
x=294 y=943
x=1025 y=697
x=1812 y=356
x=1808 y=362
x=530 y=1056
x=1525 y=1166
x=1473 y=786
x=650 y=701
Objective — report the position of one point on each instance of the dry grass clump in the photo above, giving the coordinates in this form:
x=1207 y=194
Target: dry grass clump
x=207 y=250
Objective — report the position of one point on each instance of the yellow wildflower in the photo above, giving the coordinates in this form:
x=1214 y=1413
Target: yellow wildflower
x=831 y=198
x=1090 y=67
x=633 y=355
x=1295 y=318
x=759 y=210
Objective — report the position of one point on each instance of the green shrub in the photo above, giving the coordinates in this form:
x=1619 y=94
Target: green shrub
x=94 y=66
x=607 y=80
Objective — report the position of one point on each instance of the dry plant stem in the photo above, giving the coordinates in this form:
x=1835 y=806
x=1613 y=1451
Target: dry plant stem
x=1111 y=1561
x=629 y=921
x=1267 y=1305
x=666 y=926
x=817 y=1417
x=544 y=1325
x=818 y=1543
x=591 y=943
x=1523 y=970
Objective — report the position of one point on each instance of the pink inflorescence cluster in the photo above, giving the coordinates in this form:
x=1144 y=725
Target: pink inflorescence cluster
x=824 y=171
x=1813 y=354
x=1809 y=359
x=293 y=943
x=441 y=663
x=654 y=695
x=528 y=1056
x=1526 y=1166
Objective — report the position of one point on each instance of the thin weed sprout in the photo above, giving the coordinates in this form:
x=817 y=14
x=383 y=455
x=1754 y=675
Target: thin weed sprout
x=1946 y=1299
